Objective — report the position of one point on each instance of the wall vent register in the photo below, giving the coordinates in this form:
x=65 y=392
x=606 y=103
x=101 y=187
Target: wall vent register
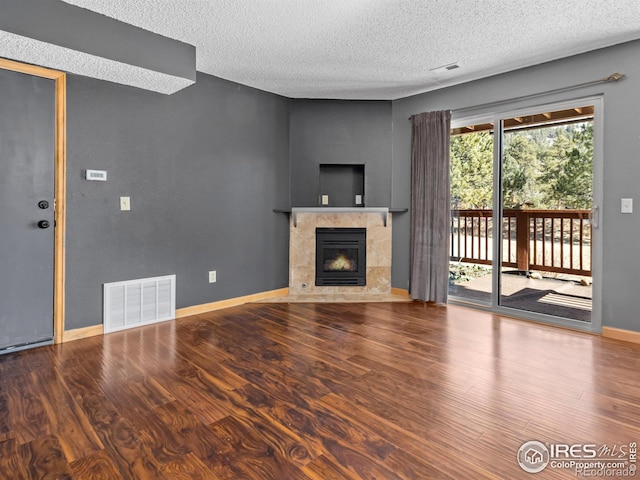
x=134 y=303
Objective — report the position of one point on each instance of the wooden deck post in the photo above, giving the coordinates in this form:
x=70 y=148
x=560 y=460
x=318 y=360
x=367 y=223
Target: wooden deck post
x=522 y=239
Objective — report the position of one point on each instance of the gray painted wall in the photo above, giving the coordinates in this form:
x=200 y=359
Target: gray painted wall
x=621 y=260
x=340 y=132
x=203 y=167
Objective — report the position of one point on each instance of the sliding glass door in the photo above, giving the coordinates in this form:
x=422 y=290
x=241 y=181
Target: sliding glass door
x=525 y=224
x=471 y=249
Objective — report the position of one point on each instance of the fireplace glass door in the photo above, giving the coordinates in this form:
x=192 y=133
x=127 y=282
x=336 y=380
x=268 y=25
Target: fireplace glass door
x=341 y=256
x=340 y=260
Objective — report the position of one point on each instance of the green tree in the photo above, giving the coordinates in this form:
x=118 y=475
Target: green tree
x=471 y=170
x=519 y=171
x=567 y=176
x=546 y=167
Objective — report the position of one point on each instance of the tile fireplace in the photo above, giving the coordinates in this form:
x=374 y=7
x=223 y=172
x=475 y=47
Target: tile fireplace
x=374 y=251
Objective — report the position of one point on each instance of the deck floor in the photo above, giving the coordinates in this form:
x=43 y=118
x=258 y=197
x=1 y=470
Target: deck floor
x=559 y=297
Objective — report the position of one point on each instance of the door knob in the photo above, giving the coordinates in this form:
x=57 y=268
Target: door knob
x=43 y=224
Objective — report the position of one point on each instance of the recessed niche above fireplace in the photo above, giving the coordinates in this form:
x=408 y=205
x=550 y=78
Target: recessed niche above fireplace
x=341 y=256
x=341 y=185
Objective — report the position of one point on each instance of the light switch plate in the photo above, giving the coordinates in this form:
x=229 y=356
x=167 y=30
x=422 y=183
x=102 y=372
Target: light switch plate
x=125 y=203
x=626 y=205
x=212 y=276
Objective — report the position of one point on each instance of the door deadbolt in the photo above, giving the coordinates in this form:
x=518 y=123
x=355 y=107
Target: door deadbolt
x=43 y=204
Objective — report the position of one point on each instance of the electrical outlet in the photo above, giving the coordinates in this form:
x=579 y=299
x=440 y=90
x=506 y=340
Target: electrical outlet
x=212 y=276
x=626 y=205
x=325 y=199
x=125 y=203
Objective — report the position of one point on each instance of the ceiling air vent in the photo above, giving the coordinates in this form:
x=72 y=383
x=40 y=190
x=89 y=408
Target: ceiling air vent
x=447 y=67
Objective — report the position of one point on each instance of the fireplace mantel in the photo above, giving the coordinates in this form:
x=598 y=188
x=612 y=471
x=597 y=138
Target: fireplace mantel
x=339 y=209
x=384 y=211
x=344 y=209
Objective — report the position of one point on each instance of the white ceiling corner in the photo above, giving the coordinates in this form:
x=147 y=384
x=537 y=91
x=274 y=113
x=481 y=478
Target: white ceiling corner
x=375 y=49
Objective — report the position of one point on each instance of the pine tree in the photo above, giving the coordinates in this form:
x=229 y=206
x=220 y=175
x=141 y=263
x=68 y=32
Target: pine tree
x=472 y=170
x=568 y=168
x=519 y=171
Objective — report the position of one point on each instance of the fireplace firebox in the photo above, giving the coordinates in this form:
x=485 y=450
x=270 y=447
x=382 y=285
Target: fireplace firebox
x=341 y=256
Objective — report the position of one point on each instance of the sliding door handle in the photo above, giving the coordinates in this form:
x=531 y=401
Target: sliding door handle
x=595 y=216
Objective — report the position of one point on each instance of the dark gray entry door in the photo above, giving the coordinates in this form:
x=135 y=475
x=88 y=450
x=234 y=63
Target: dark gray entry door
x=27 y=166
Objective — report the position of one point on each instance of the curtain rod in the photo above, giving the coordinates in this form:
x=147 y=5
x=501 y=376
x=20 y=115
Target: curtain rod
x=614 y=77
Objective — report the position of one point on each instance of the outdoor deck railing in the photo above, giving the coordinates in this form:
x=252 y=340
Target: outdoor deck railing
x=546 y=240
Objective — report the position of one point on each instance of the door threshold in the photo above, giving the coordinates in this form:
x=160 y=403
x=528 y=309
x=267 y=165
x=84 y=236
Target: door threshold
x=576 y=325
x=26 y=346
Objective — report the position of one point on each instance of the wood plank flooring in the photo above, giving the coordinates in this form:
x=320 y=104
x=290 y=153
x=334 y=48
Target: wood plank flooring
x=314 y=391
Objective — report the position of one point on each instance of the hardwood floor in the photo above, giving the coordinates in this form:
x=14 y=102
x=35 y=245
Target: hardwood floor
x=314 y=391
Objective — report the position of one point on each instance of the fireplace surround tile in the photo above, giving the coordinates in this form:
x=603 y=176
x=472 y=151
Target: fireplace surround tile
x=302 y=251
x=342 y=220
x=301 y=277
x=379 y=256
x=379 y=280
x=299 y=253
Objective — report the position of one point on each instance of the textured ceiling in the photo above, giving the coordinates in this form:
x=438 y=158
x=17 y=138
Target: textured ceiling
x=375 y=49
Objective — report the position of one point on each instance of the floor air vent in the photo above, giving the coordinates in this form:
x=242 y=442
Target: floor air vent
x=139 y=302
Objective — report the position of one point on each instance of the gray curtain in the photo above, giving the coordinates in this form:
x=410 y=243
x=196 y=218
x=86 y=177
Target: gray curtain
x=430 y=206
